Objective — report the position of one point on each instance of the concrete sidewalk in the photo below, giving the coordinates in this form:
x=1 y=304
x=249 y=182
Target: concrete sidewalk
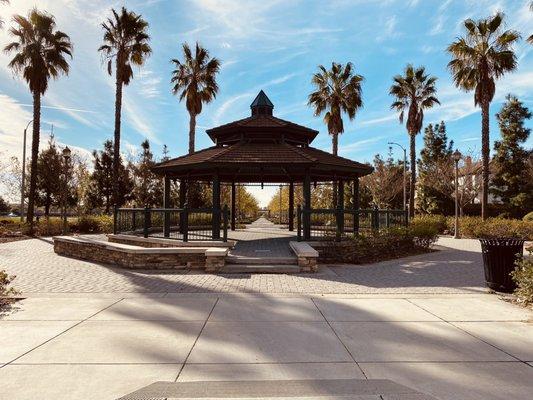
x=456 y=347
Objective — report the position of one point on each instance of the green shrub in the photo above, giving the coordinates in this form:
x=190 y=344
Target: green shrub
x=382 y=245
x=47 y=227
x=5 y=281
x=424 y=234
x=528 y=217
x=94 y=224
x=523 y=276
x=436 y=222
x=475 y=227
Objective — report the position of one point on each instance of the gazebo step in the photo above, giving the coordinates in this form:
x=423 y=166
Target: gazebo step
x=265 y=260
x=259 y=269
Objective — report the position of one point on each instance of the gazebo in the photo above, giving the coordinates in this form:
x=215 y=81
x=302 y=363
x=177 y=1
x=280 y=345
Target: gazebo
x=261 y=149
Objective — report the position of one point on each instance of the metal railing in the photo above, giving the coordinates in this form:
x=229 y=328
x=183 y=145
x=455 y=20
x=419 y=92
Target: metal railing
x=174 y=223
x=327 y=223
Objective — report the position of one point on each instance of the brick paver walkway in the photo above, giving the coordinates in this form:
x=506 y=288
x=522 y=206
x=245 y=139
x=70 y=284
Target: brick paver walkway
x=40 y=270
x=262 y=238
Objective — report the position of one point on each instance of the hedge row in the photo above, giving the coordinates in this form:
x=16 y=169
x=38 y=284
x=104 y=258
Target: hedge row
x=475 y=227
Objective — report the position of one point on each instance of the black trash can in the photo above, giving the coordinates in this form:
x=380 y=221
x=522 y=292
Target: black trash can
x=499 y=257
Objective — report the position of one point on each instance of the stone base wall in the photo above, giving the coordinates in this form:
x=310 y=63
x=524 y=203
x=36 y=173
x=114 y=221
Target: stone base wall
x=163 y=242
x=214 y=263
x=99 y=253
x=307 y=264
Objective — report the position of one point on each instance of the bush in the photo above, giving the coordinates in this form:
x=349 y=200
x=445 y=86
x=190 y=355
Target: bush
x=94 y=224
x=475 y=227
x=382 y=245
x=523 y=276
x=47 y=227
x=528 y=217
x=5 y=281
x=424 y=234
x=436 y=222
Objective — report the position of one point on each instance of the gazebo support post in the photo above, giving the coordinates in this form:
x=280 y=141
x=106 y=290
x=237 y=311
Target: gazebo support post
x=233 y=206
x=291 y=206
x=307 y=206
x=356 y=205
x=216 y=207
x=340 y=209
x=166 y=206
x=182 y=200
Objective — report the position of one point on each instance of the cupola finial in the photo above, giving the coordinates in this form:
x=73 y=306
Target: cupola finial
x=261 y=105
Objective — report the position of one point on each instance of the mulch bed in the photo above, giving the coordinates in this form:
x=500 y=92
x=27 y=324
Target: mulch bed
x=7 y=239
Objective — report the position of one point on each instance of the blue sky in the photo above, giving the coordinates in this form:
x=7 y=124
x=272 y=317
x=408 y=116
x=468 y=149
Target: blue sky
x=270 y=45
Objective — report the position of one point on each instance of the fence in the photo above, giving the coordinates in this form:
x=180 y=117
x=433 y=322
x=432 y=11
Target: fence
x=328 y=223
x=174 y=223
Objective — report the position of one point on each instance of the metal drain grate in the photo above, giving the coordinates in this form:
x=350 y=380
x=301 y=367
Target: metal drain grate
x=332 y=388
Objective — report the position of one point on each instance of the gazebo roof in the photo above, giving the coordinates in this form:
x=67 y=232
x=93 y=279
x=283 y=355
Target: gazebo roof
x=262 y=148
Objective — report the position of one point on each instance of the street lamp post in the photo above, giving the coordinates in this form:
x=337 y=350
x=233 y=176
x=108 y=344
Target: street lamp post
x=23 y=181
x=280 y=187
x=456 y=158
x=404 y=173
x=66 y=159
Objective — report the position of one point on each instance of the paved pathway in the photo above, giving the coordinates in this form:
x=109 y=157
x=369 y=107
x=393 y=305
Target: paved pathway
x=462 y=347
x=40 y=270
x=262 y=238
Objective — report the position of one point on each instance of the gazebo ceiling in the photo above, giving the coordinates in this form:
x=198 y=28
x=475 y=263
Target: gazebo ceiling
x=262 y=148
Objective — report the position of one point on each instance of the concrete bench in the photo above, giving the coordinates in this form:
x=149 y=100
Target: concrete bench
x=129 y=256
x=307 y=256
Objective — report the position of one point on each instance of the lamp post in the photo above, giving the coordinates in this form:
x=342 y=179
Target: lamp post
x=456 y=158
x=280 y=203
x=404 y=173
x=23 y=181
x=66 y=159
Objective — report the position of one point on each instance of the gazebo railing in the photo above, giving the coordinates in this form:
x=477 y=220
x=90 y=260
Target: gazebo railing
x=327 y=223
x=173 y=223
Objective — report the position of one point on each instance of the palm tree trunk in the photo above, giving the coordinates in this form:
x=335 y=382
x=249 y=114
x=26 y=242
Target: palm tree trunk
x=34 y=157
x=116 y=141
x=192 y=132
x=485 y=156
x=412 y=151
x=334 y=151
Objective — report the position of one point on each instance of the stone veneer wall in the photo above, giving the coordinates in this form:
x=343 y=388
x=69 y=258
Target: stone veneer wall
x=307 y=264
x=154 y=242
x=99 y=253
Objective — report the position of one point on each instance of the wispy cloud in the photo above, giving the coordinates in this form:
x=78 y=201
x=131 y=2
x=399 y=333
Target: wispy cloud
x=225 y=107
x=378 y=121
x=389 y=29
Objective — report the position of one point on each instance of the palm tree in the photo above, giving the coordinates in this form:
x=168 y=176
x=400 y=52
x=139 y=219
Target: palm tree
x=337 y=90
x=414 y=91
x=125 y=41
x=482 y=56
x=194 y=80
x=39 y=54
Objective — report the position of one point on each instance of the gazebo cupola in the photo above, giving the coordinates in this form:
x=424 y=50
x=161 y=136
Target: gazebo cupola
x=261 y=105
x=262 y=127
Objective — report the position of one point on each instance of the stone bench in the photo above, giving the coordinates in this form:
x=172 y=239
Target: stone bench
x=307 y=256
x=129 y=256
